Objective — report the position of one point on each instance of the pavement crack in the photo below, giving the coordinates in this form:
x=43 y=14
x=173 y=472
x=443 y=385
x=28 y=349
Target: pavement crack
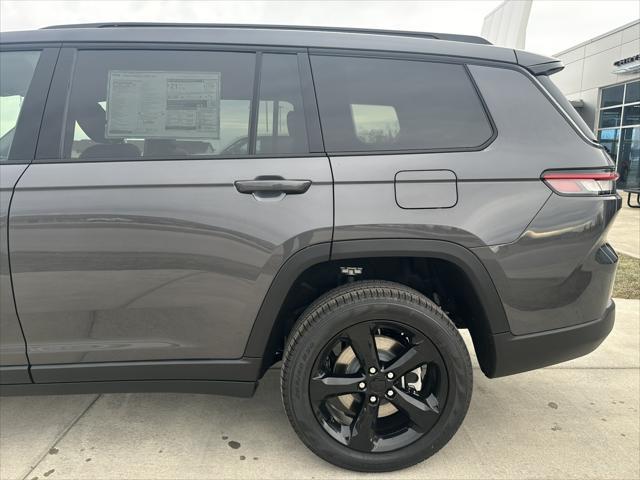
x=60 y=437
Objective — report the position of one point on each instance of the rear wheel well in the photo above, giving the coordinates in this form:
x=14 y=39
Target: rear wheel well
x=442 y=281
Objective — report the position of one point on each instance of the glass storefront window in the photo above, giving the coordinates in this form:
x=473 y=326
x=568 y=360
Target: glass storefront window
x=633 y=92
x=629 y=158
x=610 y=117
x=619 y=130
x=612 y=96
x=631 y=115
x=609 y=139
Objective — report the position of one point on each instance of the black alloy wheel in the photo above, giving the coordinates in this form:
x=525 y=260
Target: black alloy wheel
x=378 y=386
x=375 y=377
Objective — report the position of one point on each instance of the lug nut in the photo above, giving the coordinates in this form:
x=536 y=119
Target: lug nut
x=390 y=393
x=362 y=385
x=390 y=375
x=373 y=370
x=373 y=399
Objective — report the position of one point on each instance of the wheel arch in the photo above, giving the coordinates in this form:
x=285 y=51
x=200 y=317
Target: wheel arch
x=268 y=330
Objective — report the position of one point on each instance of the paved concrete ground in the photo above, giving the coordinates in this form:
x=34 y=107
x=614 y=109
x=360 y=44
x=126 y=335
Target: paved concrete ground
x=575 y=420
x=625 y=233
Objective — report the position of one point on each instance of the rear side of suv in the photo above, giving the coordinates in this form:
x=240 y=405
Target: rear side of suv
x=185 y=206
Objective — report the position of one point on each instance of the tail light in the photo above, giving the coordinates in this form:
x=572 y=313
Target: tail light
x=581 y=182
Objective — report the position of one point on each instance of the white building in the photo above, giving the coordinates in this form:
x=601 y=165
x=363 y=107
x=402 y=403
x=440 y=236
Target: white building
x=602 y=79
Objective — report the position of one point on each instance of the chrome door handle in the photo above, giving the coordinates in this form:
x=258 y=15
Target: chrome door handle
x=273 y=185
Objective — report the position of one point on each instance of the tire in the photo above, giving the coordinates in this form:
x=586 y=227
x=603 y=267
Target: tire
x=395 y=315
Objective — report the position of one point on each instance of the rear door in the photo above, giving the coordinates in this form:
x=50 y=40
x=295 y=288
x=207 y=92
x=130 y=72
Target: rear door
x=25 y=75
x=153 y=229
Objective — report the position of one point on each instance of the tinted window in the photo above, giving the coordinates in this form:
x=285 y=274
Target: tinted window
x=129 y=104
x=369 y=104
x=16 y=72
x=281 y=123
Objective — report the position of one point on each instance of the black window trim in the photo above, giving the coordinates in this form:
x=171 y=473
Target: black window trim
x=51 y=145
x=255 y=106
x=310 y=105
x=29 y=122
x=426 y=58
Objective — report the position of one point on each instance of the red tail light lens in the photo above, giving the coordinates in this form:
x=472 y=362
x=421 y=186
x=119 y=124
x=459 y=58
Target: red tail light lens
x=581 y=183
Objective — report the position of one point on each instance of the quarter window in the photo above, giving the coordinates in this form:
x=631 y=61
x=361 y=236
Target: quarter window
x=130 y=104
x=16 y=72
x=373 y=104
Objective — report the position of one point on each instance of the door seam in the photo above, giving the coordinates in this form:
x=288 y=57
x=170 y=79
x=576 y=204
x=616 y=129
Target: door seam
x=13 y=290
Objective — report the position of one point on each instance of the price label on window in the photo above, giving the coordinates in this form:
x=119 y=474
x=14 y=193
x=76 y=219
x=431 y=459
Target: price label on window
x=171 y=105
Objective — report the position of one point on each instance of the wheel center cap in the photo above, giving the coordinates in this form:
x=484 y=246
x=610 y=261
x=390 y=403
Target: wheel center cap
x=378 y=386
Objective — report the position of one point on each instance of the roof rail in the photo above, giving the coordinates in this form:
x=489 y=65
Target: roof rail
x=371 y=31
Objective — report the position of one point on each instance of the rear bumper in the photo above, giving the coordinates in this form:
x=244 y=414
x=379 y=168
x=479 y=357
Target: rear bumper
x=520 y=353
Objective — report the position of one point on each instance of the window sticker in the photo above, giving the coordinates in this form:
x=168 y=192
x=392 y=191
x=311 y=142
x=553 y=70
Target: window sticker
x=170 y=105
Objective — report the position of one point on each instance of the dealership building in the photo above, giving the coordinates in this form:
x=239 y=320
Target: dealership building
x=601 y=78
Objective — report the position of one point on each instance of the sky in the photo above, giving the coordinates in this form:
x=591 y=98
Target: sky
x=554 y=25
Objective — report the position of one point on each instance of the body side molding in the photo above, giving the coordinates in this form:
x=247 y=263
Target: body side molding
x=242 y=370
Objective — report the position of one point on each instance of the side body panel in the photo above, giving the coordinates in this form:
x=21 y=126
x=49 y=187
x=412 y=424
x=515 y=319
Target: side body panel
x=559 y=272
x=499 y=197
x=499 y=187
x=13 y=358
x=154 y=260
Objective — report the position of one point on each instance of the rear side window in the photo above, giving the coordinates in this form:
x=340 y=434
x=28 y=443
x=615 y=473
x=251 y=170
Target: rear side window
x=372 y=104
x=16 y=72
x=128 y=104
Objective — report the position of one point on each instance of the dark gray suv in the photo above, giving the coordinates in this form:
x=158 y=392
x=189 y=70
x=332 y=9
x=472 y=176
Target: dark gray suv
x=184 y=206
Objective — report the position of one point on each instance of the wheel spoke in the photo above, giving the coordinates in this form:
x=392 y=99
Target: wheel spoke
x=362 y=435
x=364 y=346
x=372 y=399
x=328 y=386
x=423 y=414
x=414 y=357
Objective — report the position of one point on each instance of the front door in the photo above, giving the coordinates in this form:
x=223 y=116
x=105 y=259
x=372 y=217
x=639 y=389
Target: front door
x=155 y=234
